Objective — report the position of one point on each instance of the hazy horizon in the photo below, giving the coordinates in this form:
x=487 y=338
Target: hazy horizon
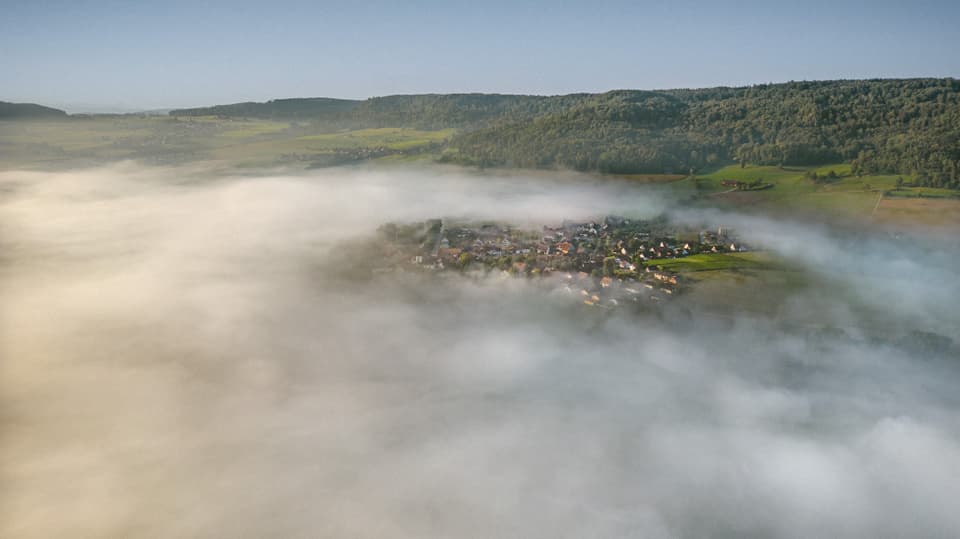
x=115 y=56
x=93 y=108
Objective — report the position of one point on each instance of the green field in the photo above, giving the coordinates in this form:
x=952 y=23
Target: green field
x=923 y=192
x=245 y=129
x=652 y=178
x=793 y=192
x=716 y=282
x=716 y=262
x=751 y=173
x=165 y=140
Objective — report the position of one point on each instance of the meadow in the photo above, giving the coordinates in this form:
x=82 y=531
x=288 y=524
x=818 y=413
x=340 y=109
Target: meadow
x=165 y=140
x=847 y=196
x=716 y=262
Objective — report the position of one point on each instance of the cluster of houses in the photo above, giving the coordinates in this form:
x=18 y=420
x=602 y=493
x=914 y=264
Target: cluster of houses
x=613 y=259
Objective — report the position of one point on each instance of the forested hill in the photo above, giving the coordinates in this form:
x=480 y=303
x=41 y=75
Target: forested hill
x=427 y=111
x=891 y=126
x=311 y=107
x=897 y=126
x=26 y=111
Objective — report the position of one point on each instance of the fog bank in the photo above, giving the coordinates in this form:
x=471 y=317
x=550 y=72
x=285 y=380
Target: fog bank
x=177 y=360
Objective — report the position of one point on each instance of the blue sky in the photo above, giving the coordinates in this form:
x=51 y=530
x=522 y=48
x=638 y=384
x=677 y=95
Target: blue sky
x=172 y=53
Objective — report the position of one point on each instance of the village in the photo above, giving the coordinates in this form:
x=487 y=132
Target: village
x=603 y=263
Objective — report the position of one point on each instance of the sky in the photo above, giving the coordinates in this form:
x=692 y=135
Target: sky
x=140 y=55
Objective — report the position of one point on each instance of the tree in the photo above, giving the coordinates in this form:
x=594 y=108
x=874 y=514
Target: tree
x=698 y=187
x=609 y=266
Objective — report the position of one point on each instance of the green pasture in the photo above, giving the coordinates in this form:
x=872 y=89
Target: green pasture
x=161 y=139
x=715 y=262
x=387 y=137
x=923 y=192
x=244 y=129
x=848 y=195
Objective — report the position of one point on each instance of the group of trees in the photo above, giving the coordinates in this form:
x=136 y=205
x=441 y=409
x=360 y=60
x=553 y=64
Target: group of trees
x=829 y=177
x=28 y=111
x=883 y=126
x=908 y=126
x=427 y=111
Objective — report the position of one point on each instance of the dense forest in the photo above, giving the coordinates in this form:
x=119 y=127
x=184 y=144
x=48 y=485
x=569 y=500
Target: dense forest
x=428 y=111
x=906 y=127
x=286 y=109
x=909 y=127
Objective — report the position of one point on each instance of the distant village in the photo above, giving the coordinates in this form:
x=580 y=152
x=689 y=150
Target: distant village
x=604 y=263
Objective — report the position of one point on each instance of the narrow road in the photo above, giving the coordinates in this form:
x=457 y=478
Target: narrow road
x=877 y=205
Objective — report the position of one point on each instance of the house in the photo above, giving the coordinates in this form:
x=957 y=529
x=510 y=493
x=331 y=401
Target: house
x=449 y=252
x=564 y=247
x=665 y=277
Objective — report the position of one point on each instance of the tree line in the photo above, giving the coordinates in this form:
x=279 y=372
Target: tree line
x=909 y=127
x=896 y=126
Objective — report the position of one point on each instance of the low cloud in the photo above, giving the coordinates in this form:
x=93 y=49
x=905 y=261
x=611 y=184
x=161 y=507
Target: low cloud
x=179 y=361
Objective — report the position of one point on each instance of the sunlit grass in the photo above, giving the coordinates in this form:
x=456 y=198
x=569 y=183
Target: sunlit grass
x=716 y=261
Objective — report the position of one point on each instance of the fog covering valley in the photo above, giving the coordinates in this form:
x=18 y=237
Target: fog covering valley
x=183 y=354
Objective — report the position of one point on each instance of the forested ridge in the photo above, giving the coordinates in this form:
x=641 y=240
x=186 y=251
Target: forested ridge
x=909 y=126
x=905 y=127
x=310 y=107
x=28 y=111
x=425 y=111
